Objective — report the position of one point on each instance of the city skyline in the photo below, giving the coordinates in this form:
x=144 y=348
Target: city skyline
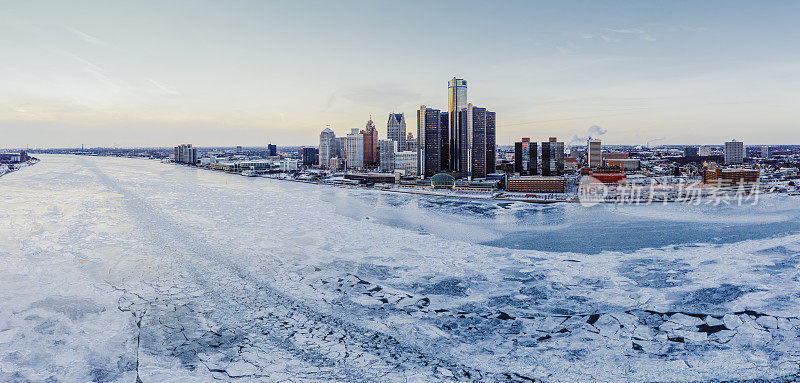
x=215 y=74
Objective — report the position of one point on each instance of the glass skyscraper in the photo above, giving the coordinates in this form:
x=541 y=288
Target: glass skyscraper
x=457 y=100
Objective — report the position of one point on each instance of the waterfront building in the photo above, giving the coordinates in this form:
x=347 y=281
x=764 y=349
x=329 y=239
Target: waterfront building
x=552 y=157
x=734 y=153
x=457 y=101
x=272 y=150
x=715 y=175
x=354 y=149
x=536 y=184
x=594 y=153
x=327 y=147
x=526 y=157
x=388 y=148
x=396 y=130
x=370 y=144
x=185 y=154
x=429 y=149
x=477 y=142
x=309 y=156
x=406 y=162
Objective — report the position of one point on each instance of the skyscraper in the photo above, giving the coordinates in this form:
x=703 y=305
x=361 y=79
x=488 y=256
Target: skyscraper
x=526 y=158
x=309 y=155
x=594 y=153
x=457 y=100
x=477 y=142
x=734 y=152
x=388 y=148
x=552 y=157
x=765 y=152
x=396 y=130
x=185 y=154
x=327 y=147
x=370 y=144
x=354 y=149
x=491 y=142
x=429 y=160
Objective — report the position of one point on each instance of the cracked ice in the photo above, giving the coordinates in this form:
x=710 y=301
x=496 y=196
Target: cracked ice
x=132 y=270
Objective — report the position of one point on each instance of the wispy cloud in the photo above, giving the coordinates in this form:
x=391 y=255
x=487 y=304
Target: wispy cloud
x=87 y=37
x=634 y=31
x=163 y=88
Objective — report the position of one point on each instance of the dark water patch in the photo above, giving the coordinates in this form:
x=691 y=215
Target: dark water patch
x=632 y=235
x=450 y=286
x=711 y=299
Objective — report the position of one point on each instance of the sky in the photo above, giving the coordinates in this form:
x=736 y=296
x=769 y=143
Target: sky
x=222 y=73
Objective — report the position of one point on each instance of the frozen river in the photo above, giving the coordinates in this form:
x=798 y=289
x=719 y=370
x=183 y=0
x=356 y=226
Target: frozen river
x=115 y=268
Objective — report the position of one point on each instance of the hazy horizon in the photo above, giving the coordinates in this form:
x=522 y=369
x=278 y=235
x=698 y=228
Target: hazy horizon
x=155 y=74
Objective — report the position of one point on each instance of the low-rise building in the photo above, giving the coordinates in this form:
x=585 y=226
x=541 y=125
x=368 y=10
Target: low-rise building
x=714 y=175
x=536 y=184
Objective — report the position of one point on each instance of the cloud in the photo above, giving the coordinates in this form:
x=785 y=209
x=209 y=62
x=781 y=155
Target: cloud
x=593 y=131
x=164 y=88
x=635 y=31
x=87 y=37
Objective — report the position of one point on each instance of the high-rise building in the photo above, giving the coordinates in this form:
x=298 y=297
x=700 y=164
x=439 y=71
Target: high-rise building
x=457 y=100
x=429 y=144
x=185 y=154
x=327 y=147
x=354 y=149
x=491 y=142
x=734 y=152
x=704 y=151
x=272 y=150
x=477 y=141
x=765 y=152
x=396 y=130
x=594 y=153
x=526 y=158
x=308 y=154
x=690 y=151
x=370 y=144
x=552 y=157
x=388 y=148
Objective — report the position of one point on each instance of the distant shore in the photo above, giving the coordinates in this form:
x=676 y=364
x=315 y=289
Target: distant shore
x=10 y=168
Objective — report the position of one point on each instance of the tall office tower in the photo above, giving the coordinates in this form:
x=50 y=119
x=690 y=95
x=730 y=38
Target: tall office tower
x=594 y=153
x=457 y=100
x=429 y=142
x=370 y=144
x=526 y=158
x=552 y=157
x=388 y=148
x=339 y=146
x=473 y=141
x=396 y=130
x=734 y=152
x=765 y=152
x=690 y=151
x=444 y=133
x=185 y=154
x=327 y=147
x=272 y=150
x=308 y=154
x=491 y=142
x=354 y=149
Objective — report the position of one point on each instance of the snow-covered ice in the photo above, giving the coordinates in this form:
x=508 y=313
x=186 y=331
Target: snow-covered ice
x=114 y=269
